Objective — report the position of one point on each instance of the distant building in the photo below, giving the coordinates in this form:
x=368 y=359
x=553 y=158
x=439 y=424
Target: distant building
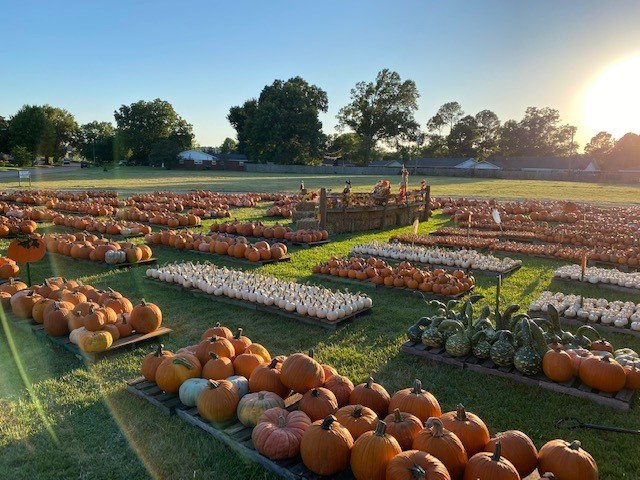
x=199 y=160
x=576 y=163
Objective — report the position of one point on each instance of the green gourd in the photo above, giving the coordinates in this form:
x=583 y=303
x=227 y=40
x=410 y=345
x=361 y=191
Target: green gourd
x=503 y=349
x=481 y=346
x=527 y=359
x=431 y=336
x=458 y=344
x=415 y=331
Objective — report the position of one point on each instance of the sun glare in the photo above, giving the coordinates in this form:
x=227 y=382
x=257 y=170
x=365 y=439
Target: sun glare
x=612 y=101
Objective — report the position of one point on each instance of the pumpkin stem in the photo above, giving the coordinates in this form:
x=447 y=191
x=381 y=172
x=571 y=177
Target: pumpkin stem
x=214 y=356
x=261 y=395
x=213 y=384
x=143 y=302
x=311 y=352
x=315 y=393
x=326 y=423
x=497 y=452
x=183 y=361
x=418 y=472
x=417 y=387
x=369 y=383
x=357 y=411
x=238 y=334
x=397 y=416
x=159 y=350
x=435 y=425
x=461 y=413
x=381 y=428
x=282 y=422
x=575 y=445
x=274 y=363
x=217 y=325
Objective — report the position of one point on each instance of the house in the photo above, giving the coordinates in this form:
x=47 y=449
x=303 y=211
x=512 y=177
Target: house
x=575 y=163
x=386 y=163
x=473 y=164
x=199 y=160
x=438 y=162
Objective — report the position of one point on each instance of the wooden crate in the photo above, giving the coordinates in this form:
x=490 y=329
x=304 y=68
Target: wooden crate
x=622 y=400
x=320 y=322
x=134 y=341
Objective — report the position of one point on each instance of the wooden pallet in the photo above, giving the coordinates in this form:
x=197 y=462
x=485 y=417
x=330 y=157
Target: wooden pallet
x=134 y=341
x=311 y=244
x=369 y=284
x=608 y=286
x=114 y=266
x=319 y=322
x=578 y=322
x=167 y=403
x=622 y=400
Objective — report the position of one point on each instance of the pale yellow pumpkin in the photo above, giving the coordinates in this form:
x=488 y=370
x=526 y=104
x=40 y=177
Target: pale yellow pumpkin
x=95 y=341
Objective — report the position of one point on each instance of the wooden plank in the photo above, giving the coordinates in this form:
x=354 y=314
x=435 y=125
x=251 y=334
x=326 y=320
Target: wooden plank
x=621 y=401
x=166 y=403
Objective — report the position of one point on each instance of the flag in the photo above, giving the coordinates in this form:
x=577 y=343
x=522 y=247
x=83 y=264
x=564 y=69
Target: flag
x=416 y=224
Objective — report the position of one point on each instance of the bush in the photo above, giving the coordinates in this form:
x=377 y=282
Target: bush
x=21 y=156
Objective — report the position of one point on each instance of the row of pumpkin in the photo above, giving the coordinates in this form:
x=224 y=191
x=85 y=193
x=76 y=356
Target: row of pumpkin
x=109 y=227
x=338 y=425
x=11 y=226
x=87 y=246
x=531 y=345
x=92 y=318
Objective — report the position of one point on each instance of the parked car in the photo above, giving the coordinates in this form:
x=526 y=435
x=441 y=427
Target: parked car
x=66 y=162
x=84 y=164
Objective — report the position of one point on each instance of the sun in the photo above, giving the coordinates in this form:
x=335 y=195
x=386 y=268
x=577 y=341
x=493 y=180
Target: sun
x=612 y=101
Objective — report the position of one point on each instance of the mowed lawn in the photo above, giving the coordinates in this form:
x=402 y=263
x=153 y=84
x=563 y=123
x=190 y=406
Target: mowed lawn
x=62 y=419
x=136 y=179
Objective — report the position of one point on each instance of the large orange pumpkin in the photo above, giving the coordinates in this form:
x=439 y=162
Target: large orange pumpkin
x=416 y=465
x=444 y=445
x=416 y=401
x=518 y=448
x=404 y=427
x=30 y=249
x=152 y=361
x=245 y=363
x=318 y=403
x=145 y=317
x=341 y=387
x=217 y=331
x=240 y=342
x=267 y=377
x=469 y=428
x=557 y=365
x=567 y=461
x=492 y=466
x=602 y=373
x=372 y=453
x=218 y=401
x=175 y=370
x=218 y=345
x=217 y=368
x=372 y=395
x=301 y=372
x=326 y=447
x=357 y=419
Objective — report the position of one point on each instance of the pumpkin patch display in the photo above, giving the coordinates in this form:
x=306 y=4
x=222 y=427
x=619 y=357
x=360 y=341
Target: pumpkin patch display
x=404 y=427
x=444 y=445
x=469 y=428
x=268 y=377
x=87 y=246
x=415 y=401
x=301 y=372
x=318 y=403
x=372 y=395
x=357 y=419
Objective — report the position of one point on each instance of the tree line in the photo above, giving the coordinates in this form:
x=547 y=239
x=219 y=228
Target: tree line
x=282 y=125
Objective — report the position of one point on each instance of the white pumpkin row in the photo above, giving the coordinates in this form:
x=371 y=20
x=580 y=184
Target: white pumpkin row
x=436 y=256
x=600 y=275
x=311 y=300
x=617 y=313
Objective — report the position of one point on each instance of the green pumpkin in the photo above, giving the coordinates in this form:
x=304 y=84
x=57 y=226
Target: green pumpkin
x=526 y=359
x=554 y=333
x=503 y=350
x=252 y=405
x=458 y=343
x=431 y=336
x=415 y=331
x=481 y=346
x=190 y=391
x=241 y=383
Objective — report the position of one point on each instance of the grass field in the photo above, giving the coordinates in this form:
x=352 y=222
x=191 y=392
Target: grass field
x=62 y=419
x=135 y=179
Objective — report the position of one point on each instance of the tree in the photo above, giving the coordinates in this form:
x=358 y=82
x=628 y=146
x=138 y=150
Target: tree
x=539 y=133
x=65 y=131
x=626 y=152
x=285 y=128
x=30 y=128
x=144 y=123
x=600 y=145
x=488 y=131
x=382 y=110
x=96 y=142
x=436 y=146
x=238 y=117
x=4 y=135
x=229 y=146
x=447 y=116
x=463 y=137
x=21 y=156
x=349 y=146
x=164 y=152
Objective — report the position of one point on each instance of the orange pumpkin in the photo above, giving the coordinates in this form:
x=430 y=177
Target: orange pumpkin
x=152 y=361
x=245 y=363
x=602 y=373
x=372 y=453
x=416 y=465
x=518 y=448
x=301 y=372
x=318 y=403
x=175 y=370
x=357 y=419
x=469 y=428
x=145 y=317
x=341 y=387
x=404 y=427
x=218 y=345
x=218 y=401
x=326 y=447
x=557 y=365
x=30 y=249
x=416 y=401
x=435 y=440
x=491 y=466
x=567 y=461
x=372 y=395
x=240 y=342
x=217 y=331
x=267 y=377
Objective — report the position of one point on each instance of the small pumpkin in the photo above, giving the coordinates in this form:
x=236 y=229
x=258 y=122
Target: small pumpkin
x=557 y=365
x=567 y=461
x=416 y=401
x=253 y=405
x=217 y=368
x=268 y=377
x=372 y=395
x=56 y=320
x=218 y=345
x=218 y=401
x=326 y=446
x=124 y=326
x=404 y=427
x=279 y=432
x=22 y=303
x=96 y=341
x=94 y=320
x=633 y=377
x=259 y=350
x=491 y=466
x=240 y=342
x=372 y=453
x=518 y=448
x=152 y=361
x=190 y=390
x=301 y=373
x=357 y=419
x=341 y=387
x=469 y=428
x=416 y=465
x=318 y=403
x=217 y=331
x=435 y=440
x=146 y=317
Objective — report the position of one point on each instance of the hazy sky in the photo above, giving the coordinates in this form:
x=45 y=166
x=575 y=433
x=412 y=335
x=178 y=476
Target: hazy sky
x=92 y=56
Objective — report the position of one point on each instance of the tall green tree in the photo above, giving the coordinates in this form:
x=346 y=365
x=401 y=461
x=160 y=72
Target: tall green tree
x=238 y=117
x=65 y=131
x=626 y=153
x=447 y=116
x=382 y=111
x=463 y=137
x=285 y=127
x=4 y=135
x=349 y=147
x=600 y=145
x=143 y=124
x=97 y=141
x=488 y=130
x=229 y=145
x=30 y=128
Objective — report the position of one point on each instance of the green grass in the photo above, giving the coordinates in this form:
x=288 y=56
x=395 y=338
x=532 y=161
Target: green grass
x=135 y=179
x=63 y=419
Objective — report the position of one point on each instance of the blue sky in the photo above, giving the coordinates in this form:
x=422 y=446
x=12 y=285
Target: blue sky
x=92 y=56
